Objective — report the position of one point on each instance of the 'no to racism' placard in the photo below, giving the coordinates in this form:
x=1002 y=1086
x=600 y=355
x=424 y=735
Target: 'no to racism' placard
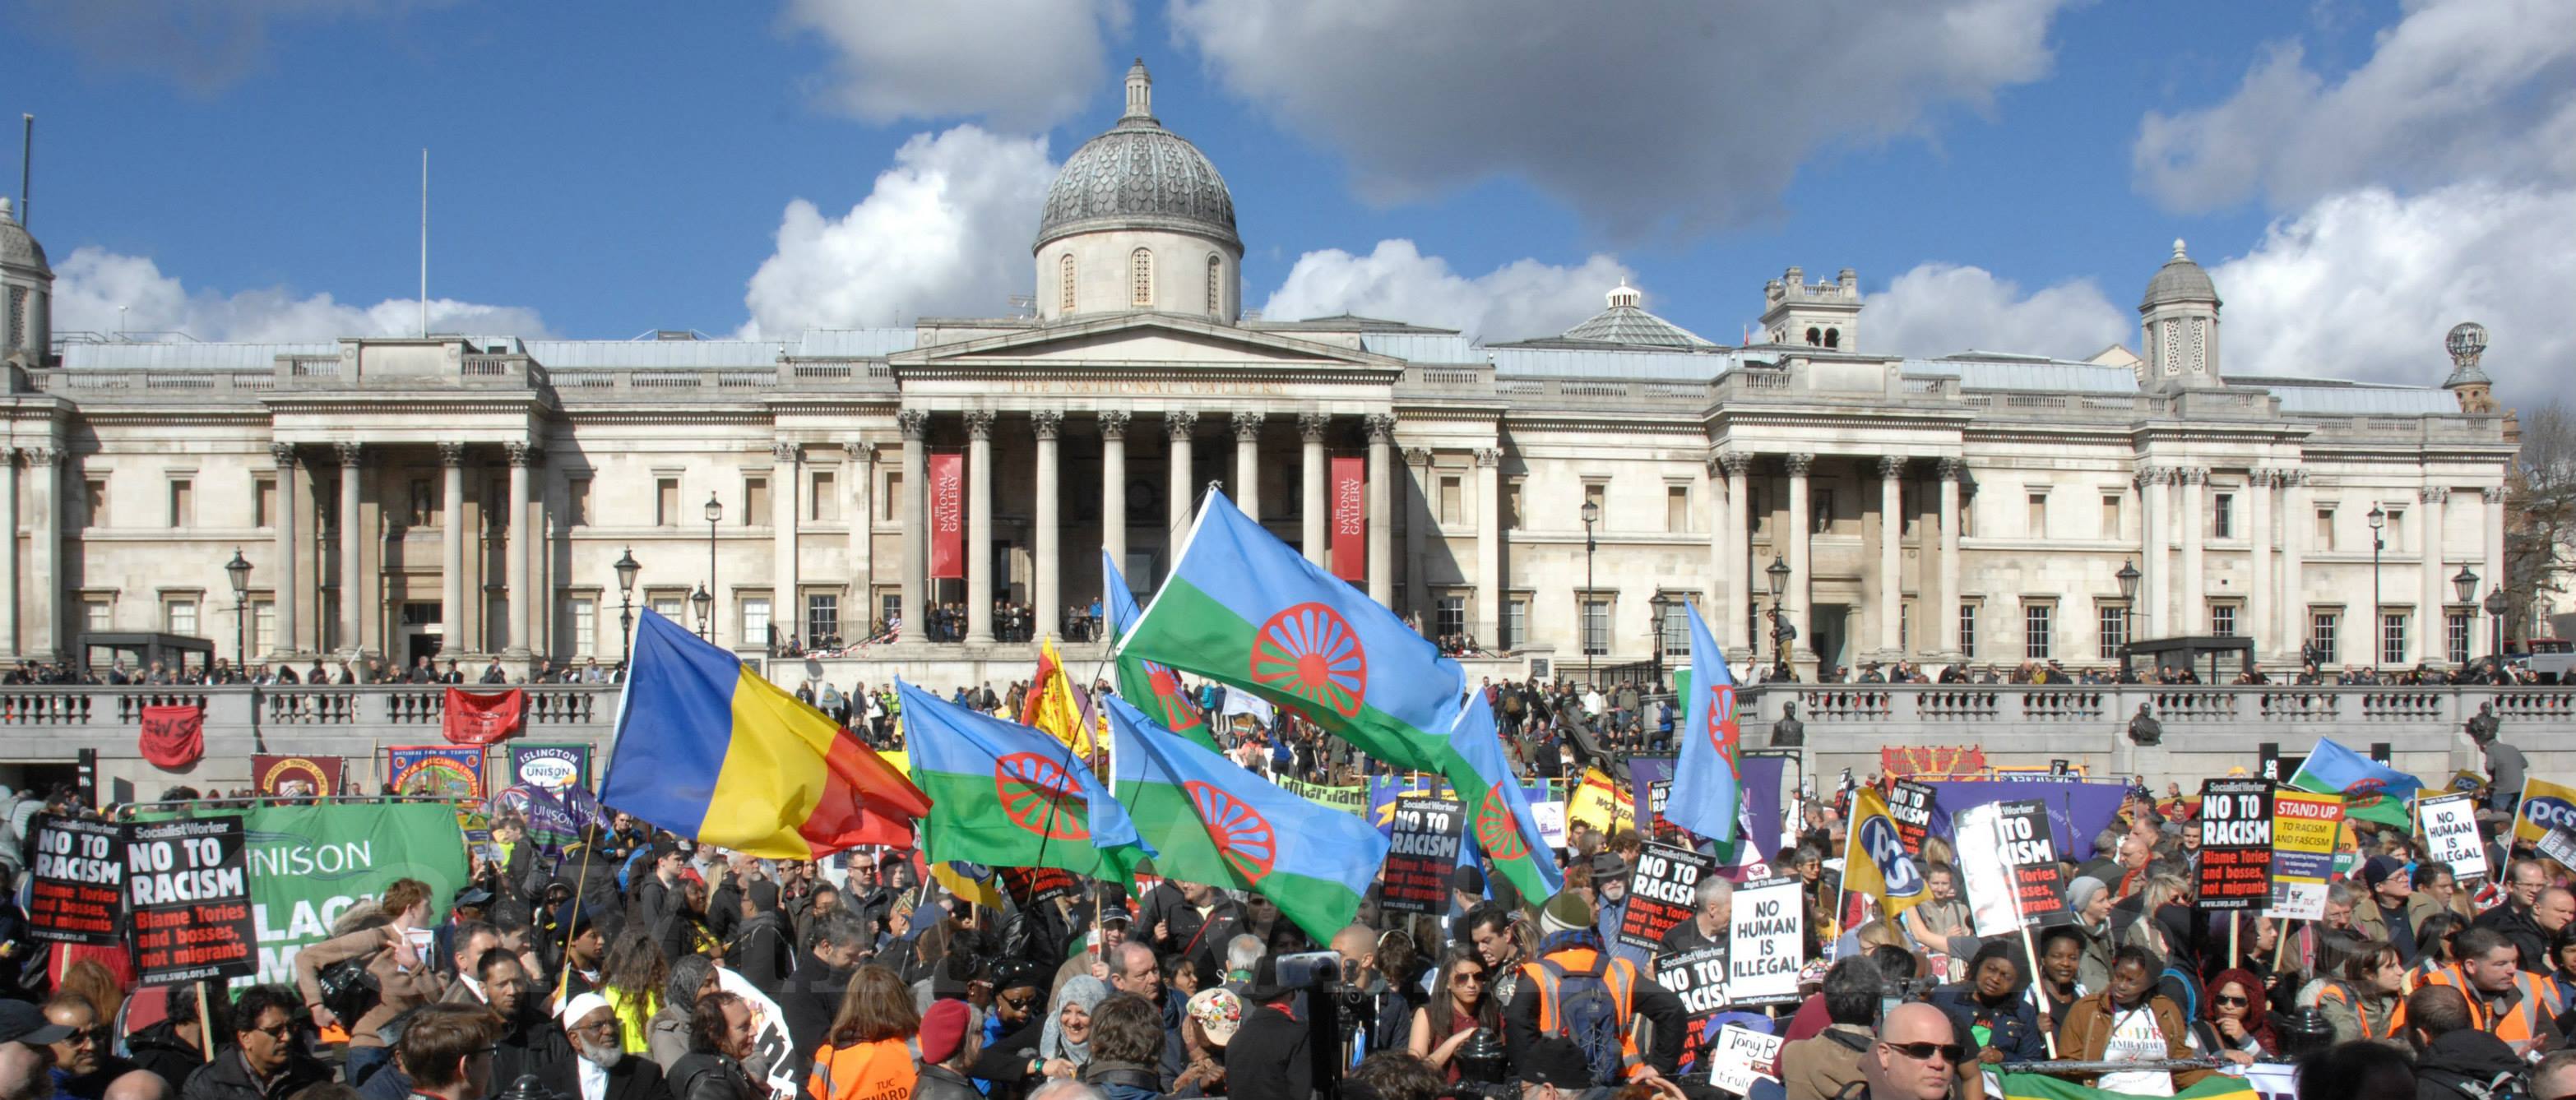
x=1662 y=892
x=2235 y=844
x=188 y=887
x=76 y=886
x=1422 y=854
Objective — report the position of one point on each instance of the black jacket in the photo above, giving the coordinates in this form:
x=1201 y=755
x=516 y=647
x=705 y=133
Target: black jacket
x=535 y=1044
x=2464 y=1065
x=711 y=1077
x=229 y=1078
x=1005 y=1060
x=763 y=950
x=943 y=1083
x=809 y=1000
x=1268 y=1059
x=160 y=1049
x=632 y=1078
x=2516 y=924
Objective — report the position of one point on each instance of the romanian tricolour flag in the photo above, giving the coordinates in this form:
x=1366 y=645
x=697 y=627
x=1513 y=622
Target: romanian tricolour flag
x=2040 y=1086
x=1708 y=782
x=1005 y=795
x=708 y=749
x=1051 y=708
x=1245 y=609
x=2371 y=791
x=1153 y=688
x=1213 y=822
x=1498 y=813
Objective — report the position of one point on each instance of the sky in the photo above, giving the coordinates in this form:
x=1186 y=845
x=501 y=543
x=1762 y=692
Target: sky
x=2004 y=175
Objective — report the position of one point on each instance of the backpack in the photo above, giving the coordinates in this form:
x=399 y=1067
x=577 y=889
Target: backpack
x=1589 y=1015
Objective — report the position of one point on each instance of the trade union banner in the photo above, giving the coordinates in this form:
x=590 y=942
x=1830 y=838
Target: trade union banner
x=446 y=771
x=1350 y=519
x=173 y=737
x=483 y=717
x=281 y=776
x=549 y=767
x=947 y=517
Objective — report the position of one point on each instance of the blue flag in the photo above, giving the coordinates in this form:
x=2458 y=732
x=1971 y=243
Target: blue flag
x=1004 y=795
x=1707 y=779
x=1498 y=815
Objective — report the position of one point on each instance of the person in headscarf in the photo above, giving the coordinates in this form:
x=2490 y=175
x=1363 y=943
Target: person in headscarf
x=666 y=1035
x=1067 y=1037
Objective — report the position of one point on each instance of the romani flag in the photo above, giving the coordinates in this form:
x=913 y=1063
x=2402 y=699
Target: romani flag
x=1153 y=688
x=2040 y=1086
x=2371 y=792
x=1498 y=813
x=1708 y=783
x=1245 y=609
x=1213 y=822
x=1004 y=795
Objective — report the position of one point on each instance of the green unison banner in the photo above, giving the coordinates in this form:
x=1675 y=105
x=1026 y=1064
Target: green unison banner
x=309 y=864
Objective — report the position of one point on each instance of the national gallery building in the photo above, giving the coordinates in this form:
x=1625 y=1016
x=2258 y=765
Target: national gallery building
x=475 y=496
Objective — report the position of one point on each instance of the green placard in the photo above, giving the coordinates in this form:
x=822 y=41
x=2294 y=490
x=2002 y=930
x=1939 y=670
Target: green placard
x=309 y=864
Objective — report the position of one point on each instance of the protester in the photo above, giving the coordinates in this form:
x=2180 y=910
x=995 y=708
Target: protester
x=606 y=1071
x=720 y=1037
x=387 y=940
x=865 y=1055
x=2130 y=1022
x=1459 y=1006
x=265 y=1061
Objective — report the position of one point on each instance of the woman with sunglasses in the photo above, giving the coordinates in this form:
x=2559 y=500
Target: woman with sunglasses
x=1457 y=1009
x=2130 y=1022
x=2235 y=1023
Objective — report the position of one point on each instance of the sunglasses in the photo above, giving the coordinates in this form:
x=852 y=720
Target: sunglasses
x=281 y=1032
x=2225 y=1001
x=1468 y=979
x=1923 y=1052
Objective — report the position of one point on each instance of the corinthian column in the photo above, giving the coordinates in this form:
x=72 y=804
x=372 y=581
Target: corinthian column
x=290 y=594
x=915 y=424
x=1177 y=426
x=1489 y=547
x=786 y=510
x=1381 y=540
x=353 y=587
x=1113 y=487
x=9 y=641
x=1734 y=562
x=1045 y=598
x=451 y=549
x=2195 y=509
x=2430 y=622
x=521 y=549
x=1800 y=533
x=979 y=527
x=1891 y=530
x=1315 y=514
x=1247 y=462
x=2259 y=484
x=1947 y=612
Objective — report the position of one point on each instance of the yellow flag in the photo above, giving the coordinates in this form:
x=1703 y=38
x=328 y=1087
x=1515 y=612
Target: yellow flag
x=1050 y=706
x=1874 y=859
x=1598 y=803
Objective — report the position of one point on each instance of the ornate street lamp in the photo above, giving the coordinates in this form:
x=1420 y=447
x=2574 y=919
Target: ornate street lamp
x=704 y=604
x=707 y=610
x=1583 y=613
x=2378 y=631
x=1662 y=605
x=2496 y=604
x=1778 y=577
x=239 y=570
x=2128 y=577
x=627 y=568
x=2465 y=583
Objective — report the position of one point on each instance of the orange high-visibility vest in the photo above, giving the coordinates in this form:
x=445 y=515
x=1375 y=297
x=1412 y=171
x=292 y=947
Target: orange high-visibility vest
x=2534 y=995
x=881 y=1070
x=1618 y=977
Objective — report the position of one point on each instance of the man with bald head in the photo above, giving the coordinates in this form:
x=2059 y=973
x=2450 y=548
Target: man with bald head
x=1915 y=1057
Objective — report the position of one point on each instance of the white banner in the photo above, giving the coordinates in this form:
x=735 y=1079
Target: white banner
x=1739 y=1058
x=2450 y=826
x=1766 y=944
x=771 y=1049
x=1983 y=878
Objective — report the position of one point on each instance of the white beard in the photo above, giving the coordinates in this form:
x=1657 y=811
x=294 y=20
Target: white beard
x=603 y=1057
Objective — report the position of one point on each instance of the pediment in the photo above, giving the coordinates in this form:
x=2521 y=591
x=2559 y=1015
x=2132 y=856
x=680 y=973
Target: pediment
x=1142 y=339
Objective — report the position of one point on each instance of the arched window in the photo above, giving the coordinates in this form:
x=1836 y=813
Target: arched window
x=1833 y=337
x=1216 y=287
x=1064 y=285
x=1815 y=336
x=1140 y=274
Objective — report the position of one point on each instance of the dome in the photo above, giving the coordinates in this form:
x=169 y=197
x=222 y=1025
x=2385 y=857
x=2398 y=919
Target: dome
x=2180 y=280
x=18 y=248
x=1139 y=176
x=1627 y=322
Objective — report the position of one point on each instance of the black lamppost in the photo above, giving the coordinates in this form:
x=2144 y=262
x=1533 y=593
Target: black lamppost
x=2378 y=630
x=239 y=570
x=627 y=568
x=2128 y=578
x=2496 y=603
x=707 y=609
x=1583 y=614
x=1662 y=605
x=2464 y=584
x=1778 y=577
x=704 y=604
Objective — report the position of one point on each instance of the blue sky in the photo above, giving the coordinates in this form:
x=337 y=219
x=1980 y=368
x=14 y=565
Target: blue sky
x=2004 y=174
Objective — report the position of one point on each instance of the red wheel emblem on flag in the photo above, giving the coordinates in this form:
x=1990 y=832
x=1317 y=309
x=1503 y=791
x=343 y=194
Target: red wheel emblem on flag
x=1309 y=652
x=1240 y=832
x=1038 y=796
x=1721 y=714
x=1497 y=831
x=1167 y=689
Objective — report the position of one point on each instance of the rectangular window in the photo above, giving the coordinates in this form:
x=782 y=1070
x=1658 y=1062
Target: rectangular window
x=1677 y=508
x=1821 y=511
x=1512 y=504
x=585 y=626
x=2110 y=516
x=670 y=605
x=825 y=493
x=1674 y=631
x=496 y=514
x=1597 y=495
x=822 y=617
x=1452 y=615
x=263 y=503
x=1757 y=509
x=755 y=620
x=2325 y=529
x=577 y=502
x=179 y=617
x=2113 y=631
x=755 y=502
x=2456 y=629
x=263 y=626
x=2392 y=638
x=1905 y=628
x=183 y=502
x=1453 y=502
x=424 y=504
x=2222 y=516
x=1968 y=631
x=2395 y=536
x=2222 y=620
x=890 y=607
x=1968 y=518
x=666 y=502
x=2322 y=628
x=2038 y=640
x=1596 y=625
x=94 y=495
x=98 y=615
x=890 y=502
x=1516 y=622
x=2035 y=515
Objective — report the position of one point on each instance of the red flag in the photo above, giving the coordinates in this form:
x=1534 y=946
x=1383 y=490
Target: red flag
x=1350 y=519
x=174 y=737
x=480 y=718
x=866 y=802
x=947 y=516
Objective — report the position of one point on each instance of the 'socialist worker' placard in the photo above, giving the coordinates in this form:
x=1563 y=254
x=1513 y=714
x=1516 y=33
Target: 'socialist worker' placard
x=189 y=890
x=2235 y=844
x=1422 y=854
x=76 y=886
x=1662 y=892
x=1910 y=803
x=2029 y=847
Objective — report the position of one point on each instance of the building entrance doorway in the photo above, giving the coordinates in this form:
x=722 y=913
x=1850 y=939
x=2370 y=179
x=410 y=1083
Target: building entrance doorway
x=1826 y=634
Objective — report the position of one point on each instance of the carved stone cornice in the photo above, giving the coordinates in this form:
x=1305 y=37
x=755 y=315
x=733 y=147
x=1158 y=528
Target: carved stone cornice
x=913 y=423
x=451 y=455
x=1247 y=426
x=979 y=424
x=1113 y=423
x=1312 y=426
x=1046 y=423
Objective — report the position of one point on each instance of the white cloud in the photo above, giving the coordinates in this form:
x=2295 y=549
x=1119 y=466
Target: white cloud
x=1022 y=64
x=201 y=47
x=1937 y=309
x=2457 y=90
x=90 y=287
x=2364 y=285
x=946 y=230
x=1396 y=281
x=1670 y=114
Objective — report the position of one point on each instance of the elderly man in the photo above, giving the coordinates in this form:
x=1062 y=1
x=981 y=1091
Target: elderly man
x=1710 y=917
x=2517 y=919
x=606 y=1071
x=1914 y=1055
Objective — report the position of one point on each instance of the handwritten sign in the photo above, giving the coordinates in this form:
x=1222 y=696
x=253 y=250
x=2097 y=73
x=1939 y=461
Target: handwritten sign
x=76 y=888
x=2235 y=844
x=1766 y=945
x=1662 y=892
x=188 y=886
x=1422 y=853
x=1740 y=1057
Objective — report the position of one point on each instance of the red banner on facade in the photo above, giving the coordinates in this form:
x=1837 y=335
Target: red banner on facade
x=481 y=717
x=947 y=516
x=173 y=737
x=1350 y=519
